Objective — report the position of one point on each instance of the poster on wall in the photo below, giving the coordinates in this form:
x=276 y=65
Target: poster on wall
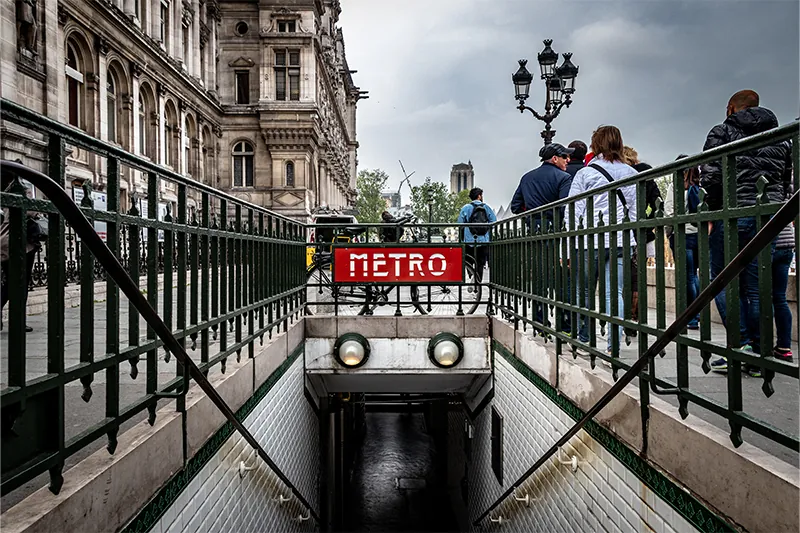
x=100 y=200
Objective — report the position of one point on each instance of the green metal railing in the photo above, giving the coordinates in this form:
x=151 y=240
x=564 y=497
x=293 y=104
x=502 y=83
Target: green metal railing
x=239 y=276
x=547 y=265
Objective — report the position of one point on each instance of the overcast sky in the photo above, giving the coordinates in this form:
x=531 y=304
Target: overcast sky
x=439 y=77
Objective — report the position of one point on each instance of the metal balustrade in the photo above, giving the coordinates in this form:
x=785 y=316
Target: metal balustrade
x=239 y=277
x=547 y=265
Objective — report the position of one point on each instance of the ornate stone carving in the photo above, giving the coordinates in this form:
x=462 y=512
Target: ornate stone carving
x=62 y=14
x=162 y=89
x=137 y=69
x=28 y=25
x=102 y=44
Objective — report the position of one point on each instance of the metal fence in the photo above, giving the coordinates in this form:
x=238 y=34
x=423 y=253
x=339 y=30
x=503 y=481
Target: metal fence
x=239 y=277
x=546 y=275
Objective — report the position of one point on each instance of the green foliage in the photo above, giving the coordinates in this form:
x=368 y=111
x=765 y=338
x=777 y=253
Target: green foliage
x=369 y=202
x=460 y=200
x=444 y=207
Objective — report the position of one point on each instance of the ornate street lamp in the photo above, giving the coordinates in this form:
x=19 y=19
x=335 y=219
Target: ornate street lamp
x=559 y=86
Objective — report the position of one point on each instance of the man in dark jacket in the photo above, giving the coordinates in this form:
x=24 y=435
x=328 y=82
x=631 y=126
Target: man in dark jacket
x=744 y=118
x=546 y=184
x=576 y=159
x=539 y=187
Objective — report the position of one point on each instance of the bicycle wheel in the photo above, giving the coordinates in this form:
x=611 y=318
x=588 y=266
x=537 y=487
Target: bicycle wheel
x=444 y=298
x=323 y=296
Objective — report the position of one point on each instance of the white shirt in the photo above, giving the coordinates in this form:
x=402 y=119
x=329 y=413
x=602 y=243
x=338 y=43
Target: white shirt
x=669 y=207
x=587 y=179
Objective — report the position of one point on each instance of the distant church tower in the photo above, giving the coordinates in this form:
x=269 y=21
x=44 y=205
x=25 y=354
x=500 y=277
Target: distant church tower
x=462 y=176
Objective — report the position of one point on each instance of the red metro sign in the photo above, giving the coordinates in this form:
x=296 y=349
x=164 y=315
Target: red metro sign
x=441 y=264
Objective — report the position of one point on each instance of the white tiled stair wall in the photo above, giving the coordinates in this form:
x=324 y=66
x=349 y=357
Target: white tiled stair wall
x=602 y=495
x=218 y=500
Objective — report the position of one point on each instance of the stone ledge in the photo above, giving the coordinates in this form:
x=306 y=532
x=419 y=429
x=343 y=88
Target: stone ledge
x=692 y=451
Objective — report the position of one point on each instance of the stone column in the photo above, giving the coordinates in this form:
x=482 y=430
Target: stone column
x=153 y=20
x=129 y=8
x=177 y=29
x=136 y=70
x=212 y=53
x=101 y=45
x=162 y=130
x=196 y=39
x=183 y=166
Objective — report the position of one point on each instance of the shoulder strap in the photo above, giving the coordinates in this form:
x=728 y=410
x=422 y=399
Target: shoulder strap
x=605 y=174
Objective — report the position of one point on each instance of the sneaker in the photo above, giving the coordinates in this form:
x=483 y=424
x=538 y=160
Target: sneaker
x=782 y=355
x=720 y=365
x=693 y=327
x=752 y=371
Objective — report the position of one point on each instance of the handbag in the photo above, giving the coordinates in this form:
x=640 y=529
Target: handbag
x=38 y=230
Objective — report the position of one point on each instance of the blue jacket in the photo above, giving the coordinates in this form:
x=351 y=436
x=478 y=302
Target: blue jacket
x=539 y=187
x=463 y=218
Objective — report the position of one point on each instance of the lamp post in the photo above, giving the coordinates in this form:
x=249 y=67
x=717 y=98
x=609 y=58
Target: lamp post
x=559 y=86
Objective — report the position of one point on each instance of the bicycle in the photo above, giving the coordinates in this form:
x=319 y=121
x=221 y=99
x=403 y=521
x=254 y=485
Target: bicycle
x=365 y=299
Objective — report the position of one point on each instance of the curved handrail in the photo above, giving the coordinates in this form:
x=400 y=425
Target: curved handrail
x=102 y=253
x=781 y=219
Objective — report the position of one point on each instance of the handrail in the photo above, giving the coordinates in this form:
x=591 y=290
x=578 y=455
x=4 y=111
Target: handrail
x=58 y=196
x=763 y=238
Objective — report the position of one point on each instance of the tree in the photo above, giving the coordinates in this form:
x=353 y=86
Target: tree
x=460 y=199
x=436 y=193
x=370 y=203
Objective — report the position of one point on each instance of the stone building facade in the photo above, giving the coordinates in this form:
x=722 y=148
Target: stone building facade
x=252 y=97
x=462 y=176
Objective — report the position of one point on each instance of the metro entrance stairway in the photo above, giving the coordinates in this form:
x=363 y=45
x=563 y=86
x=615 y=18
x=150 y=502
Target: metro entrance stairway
x=524 y=425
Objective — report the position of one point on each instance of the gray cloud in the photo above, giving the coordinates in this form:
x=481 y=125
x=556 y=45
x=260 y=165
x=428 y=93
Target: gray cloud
x=439 y=76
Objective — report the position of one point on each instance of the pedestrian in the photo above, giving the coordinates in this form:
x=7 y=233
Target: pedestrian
x=781 y=260
x=691 y=189
x=479 y=215
x=33 y=238
x=744 y=117
x=606 y=167
x=576 y=158
x=652 y=195
x=539 y=187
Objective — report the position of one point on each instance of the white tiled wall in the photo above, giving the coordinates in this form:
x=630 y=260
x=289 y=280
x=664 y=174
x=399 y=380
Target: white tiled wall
x=601 y=496
x=217 y=500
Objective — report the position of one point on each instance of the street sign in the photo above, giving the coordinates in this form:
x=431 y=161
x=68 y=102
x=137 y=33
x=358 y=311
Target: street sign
x=423 y=264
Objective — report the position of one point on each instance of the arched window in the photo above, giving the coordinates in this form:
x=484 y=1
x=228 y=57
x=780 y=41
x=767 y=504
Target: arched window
x=111 y=107
x=243 y=164
x=290 y=173
x=73 y=71
x=142 y=126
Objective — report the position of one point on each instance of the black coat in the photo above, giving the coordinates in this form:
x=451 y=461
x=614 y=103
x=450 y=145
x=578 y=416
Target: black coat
x=574 y=166
x=773 y=162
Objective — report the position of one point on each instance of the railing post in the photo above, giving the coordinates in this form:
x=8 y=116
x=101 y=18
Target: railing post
x=55 y=308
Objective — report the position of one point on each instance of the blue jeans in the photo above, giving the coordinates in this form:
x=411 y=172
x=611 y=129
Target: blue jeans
x=781 y=259
x=692 y=281
x=748 y=287
x=716 y=245
x=589 y=287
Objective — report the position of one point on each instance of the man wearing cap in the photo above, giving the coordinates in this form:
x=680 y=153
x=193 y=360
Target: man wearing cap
x=541 y=186
x=546 y=184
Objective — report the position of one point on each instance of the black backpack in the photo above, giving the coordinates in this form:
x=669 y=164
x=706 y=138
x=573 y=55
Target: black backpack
x=480 y=218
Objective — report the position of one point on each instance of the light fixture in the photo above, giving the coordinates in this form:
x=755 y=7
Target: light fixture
x=445 y=350
x=351 y=350
x=522 y=81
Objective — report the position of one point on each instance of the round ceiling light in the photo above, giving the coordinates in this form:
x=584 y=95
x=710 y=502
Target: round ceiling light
x=351 y=350
x=445 y=350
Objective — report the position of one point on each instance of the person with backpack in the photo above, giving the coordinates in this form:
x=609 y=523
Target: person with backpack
x=479 y=216
x=691 y=186
x=546 y=184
